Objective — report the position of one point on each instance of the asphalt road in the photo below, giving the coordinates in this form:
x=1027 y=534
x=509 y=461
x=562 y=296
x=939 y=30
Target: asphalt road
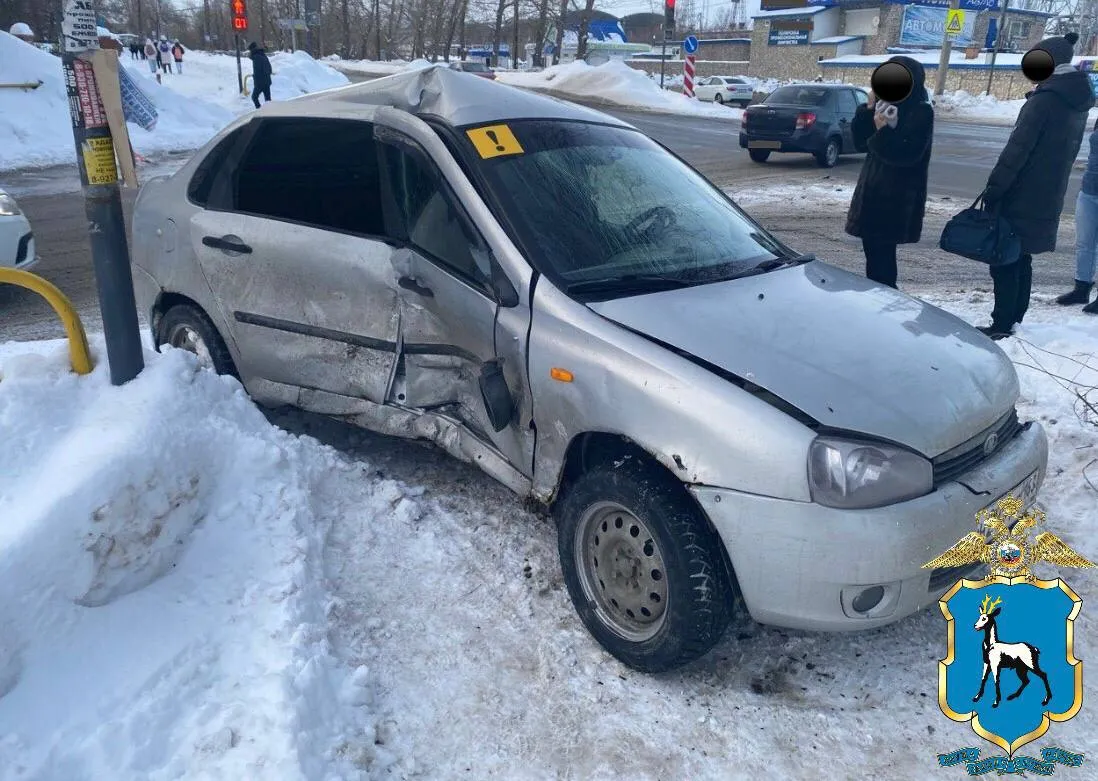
x=963 y=157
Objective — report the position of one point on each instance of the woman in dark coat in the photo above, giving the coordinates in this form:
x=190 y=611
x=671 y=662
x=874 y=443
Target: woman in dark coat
x=890 y=199
x=1030 y=180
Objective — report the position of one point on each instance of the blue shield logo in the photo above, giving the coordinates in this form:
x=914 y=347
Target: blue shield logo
x=1010 y=667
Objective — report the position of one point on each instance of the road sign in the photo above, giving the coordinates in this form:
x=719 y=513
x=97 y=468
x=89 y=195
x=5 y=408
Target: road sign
x=955 y=22
x=690 y=45
x=293 y=24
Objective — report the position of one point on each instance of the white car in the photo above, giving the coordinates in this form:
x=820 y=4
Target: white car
x=724 y=89
x=16 y=239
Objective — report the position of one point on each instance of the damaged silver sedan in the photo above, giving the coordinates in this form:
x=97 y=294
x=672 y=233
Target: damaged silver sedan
x=716 y=421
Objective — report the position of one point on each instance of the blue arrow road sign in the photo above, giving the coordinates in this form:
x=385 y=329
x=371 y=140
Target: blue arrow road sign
x=690 y=45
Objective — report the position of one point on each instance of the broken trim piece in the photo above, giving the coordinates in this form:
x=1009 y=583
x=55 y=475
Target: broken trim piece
x=358 y=340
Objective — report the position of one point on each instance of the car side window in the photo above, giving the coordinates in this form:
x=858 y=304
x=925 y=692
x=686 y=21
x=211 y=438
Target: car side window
x=202 y=182
x=433 y=219
x=318 y=172
x=847 y=106
x=861 y=97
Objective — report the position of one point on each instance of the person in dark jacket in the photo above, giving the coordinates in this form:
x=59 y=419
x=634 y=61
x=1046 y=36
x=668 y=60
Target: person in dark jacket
x=1028 y=184
x=889 y=201
x=1086 y=234
x=261 y=73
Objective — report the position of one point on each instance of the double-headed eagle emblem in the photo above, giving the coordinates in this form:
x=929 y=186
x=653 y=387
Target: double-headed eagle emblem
x=1007 y=549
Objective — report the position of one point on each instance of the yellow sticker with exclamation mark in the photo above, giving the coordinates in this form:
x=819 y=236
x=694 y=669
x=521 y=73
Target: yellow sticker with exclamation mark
x=494 y=141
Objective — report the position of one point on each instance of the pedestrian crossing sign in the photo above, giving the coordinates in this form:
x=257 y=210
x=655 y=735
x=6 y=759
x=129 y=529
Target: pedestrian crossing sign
x=955 y=22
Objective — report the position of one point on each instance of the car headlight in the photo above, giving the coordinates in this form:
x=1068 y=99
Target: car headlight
x=857 y=475
x=8 y=206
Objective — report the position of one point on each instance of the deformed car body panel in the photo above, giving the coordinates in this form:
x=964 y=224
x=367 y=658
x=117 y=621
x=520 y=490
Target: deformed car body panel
x=701 y=427
x=851 y=354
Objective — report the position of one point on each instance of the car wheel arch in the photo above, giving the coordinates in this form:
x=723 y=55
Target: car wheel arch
x=591 y=448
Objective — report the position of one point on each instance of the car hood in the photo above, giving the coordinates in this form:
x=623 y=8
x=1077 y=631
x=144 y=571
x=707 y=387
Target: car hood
x=851 y=354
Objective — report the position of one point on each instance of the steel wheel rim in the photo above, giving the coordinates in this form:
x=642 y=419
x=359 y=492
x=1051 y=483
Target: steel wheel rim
x=832 y=153
x=186 y=338
x=621 y=570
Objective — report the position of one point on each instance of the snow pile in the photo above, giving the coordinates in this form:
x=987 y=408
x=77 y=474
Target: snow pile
x=614 y=83
x=35 y=129
x=164 y=610
x=371 y=67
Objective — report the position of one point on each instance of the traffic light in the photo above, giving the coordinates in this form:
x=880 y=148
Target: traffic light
x=669 y=15
x=240 y=16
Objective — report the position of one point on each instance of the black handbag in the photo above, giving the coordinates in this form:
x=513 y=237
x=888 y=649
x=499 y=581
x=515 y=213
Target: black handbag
x=981 y=234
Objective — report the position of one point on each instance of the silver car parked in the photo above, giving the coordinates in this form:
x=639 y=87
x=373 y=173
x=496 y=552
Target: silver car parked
x=549 y=294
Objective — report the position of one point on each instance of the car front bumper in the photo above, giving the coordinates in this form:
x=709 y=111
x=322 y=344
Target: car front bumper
x=800 y=565
x=17 y=246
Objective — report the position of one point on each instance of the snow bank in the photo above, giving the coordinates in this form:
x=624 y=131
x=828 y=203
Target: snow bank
x=192 y=106
x=164 y=610
x=826 y=193
x=614 y=83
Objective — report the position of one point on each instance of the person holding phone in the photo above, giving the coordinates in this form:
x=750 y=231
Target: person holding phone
x=889 y=202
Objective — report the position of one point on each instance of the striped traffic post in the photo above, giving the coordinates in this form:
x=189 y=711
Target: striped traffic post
x=690 y=48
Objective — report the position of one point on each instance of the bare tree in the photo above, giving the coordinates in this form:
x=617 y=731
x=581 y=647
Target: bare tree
x=585 y=20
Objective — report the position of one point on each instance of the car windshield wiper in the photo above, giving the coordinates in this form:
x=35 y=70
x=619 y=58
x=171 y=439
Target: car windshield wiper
x=645 y=282
x=773 y=264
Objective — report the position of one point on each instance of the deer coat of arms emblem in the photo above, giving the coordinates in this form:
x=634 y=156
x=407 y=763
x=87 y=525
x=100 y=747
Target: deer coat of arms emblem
x=1022 y=628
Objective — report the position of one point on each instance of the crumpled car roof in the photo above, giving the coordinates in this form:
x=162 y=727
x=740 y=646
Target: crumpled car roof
x=457 y=98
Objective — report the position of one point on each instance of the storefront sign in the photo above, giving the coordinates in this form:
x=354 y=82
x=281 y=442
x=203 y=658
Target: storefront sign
x=925 y=26
x=967 y=5
x=788 y=37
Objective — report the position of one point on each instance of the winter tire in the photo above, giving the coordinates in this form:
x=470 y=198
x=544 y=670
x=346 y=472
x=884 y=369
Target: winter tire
x=759 y=155
x=642 y=565
x=829 y=155
x=718 y=99
x=189 y=328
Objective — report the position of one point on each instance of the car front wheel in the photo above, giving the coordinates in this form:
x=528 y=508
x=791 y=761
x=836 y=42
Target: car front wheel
x=642 y=566
x=829 y=155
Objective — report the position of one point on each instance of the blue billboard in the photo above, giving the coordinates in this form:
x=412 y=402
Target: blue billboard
x=925 y=26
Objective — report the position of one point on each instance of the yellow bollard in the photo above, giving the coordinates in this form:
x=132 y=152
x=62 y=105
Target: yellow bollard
x=79 y=355
x=246 y=91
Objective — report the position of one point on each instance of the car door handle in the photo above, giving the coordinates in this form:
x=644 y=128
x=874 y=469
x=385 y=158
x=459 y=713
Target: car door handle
x=229 y=244
x=410 y=283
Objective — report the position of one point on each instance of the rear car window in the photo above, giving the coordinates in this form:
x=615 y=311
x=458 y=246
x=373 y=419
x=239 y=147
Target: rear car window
x=201 y=184
x=799 y=96
x=320 y=172
x=478 y=67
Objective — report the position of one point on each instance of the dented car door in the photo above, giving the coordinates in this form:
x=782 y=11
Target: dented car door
x=448 y=363
x=293 y=244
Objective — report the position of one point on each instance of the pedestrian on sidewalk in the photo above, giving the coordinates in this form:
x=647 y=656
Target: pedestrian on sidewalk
x=889 y=201
x=177 y=53
x=133 y=51
x=1086 y=234
x=150 y=55
x=1028 y=184
x=261 y=73
x=162 y=52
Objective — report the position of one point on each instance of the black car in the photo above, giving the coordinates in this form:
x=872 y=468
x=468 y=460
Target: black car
x=812 y=118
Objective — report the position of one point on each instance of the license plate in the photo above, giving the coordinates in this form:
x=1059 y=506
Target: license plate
x=764 y=144
x=1025 y=491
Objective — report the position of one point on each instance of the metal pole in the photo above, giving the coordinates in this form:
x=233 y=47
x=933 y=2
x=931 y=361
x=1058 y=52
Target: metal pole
x=998 y=40
x=947 y=48
x=663 y=56
x=239 y=72
x=102 y=197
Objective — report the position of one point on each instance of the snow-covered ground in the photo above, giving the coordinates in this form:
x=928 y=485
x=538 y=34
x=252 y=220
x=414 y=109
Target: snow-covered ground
x=820 y=197
x=35 y=128
x=191 y=592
